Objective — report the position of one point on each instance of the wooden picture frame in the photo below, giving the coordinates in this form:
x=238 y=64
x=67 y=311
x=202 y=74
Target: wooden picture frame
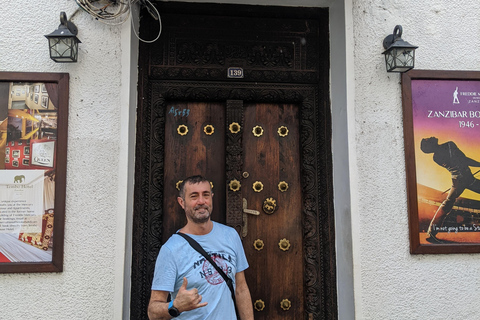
x=441 y=111
x=40 y=233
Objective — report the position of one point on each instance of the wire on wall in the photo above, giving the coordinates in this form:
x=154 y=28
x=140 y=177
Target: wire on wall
x=116 y=12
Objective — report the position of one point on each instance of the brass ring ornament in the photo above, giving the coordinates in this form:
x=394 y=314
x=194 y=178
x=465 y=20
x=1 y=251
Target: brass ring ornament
x=182 y=130
x=283 y=186
x=258 y=244
x=234 y=127
x=234 y=185
x=257 y=186
x=259 y=305
x=208 y=129
x=285 y=304
x=245 y=174
x=284 y=244
x=269 y=205
x=257 y=131
x=177 y=185
x=282 y=131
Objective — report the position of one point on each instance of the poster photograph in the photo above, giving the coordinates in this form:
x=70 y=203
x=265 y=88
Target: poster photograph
x=32 y=172
x=442 y=153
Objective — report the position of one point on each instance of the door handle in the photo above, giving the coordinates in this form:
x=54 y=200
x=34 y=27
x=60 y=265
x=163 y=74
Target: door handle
x=245 y=217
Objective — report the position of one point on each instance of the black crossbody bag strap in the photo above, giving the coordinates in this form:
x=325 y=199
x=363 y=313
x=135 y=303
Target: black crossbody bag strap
x=195 y=245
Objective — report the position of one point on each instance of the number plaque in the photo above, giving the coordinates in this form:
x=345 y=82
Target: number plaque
x=234 y=72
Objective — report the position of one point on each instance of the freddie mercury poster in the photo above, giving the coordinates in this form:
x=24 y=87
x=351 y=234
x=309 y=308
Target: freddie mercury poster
x=446 y=131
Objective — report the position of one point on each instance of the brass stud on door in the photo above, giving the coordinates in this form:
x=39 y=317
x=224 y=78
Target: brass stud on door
x=182 y=130
x=234 y=185
x=283 y=186
x=285 y=304
x=177 y=185
x=258 y=244
x=257 y=186
x=284 y=244
x=234 y=127
x=257 y=131
x=259 y=305
x=208 y=129
x=282 y=131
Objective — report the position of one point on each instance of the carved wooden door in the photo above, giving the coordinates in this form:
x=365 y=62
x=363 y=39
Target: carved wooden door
x=251 y=153
x=185 y=84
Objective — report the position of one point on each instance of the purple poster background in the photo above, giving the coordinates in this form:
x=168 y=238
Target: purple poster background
x=450 y=111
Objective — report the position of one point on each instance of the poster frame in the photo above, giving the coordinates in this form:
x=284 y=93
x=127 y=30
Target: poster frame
x=416 y=247
x=62 y=81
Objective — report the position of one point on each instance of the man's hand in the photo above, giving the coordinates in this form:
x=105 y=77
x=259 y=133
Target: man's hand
x=188 y=299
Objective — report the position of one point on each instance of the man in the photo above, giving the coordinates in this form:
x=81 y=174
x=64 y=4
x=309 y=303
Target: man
x=198 y=291
x=449 y=156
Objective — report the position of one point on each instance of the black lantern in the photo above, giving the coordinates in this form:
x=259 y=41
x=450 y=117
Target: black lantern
x=63 y=42
x=399 y=54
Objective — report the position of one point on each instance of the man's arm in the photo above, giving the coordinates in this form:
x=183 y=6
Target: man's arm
x=242 y=296
x=158 y=306
x=186 y=300
x=472 y=163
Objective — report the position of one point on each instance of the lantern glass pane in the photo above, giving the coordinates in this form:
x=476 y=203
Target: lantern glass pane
x=63 y=49
x=60 y=47
x=400 y=59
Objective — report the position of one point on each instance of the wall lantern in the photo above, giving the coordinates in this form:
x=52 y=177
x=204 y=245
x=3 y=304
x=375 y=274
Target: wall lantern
x=63 y=43
x=399 y=54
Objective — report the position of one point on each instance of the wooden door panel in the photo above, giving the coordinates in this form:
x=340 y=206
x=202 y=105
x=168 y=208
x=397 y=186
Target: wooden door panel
x=268 y=158
x=195 y=152
x=274 y=274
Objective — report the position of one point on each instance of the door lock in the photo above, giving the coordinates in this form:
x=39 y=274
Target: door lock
x=245 y=217
x=269 y=205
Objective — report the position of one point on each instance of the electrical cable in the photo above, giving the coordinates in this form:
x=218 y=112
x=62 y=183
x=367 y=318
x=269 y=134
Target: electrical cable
x=116 y=12
x=155 y=14
x=110 y=12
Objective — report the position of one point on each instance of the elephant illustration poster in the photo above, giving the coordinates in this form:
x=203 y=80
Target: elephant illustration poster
x=33 y=156
x=22 y=213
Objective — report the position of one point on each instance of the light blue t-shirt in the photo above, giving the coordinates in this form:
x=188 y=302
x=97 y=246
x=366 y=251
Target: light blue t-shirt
x=177 y=259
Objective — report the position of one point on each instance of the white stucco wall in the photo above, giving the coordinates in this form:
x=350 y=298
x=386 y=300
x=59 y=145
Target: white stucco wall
x=91 y=285
x=389 y=282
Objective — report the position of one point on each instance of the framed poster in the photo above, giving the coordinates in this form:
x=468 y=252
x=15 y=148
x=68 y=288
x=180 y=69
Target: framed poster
x=33 y=144
x=442 y=154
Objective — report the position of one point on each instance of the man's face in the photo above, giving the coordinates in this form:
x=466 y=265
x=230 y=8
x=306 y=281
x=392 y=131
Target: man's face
x=197 y=204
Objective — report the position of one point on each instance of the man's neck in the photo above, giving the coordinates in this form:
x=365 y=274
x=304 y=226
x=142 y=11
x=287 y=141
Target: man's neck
x=198 y=229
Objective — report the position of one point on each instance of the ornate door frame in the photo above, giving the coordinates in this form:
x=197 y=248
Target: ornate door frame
x=157 y=86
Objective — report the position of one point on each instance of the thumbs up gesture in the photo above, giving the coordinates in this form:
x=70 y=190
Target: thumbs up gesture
x=188 y=299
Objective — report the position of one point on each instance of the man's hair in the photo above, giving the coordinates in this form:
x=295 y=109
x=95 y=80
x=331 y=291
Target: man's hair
x=192 y=180
x=428 y=144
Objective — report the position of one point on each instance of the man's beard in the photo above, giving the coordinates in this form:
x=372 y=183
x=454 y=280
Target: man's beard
x=203 y=218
